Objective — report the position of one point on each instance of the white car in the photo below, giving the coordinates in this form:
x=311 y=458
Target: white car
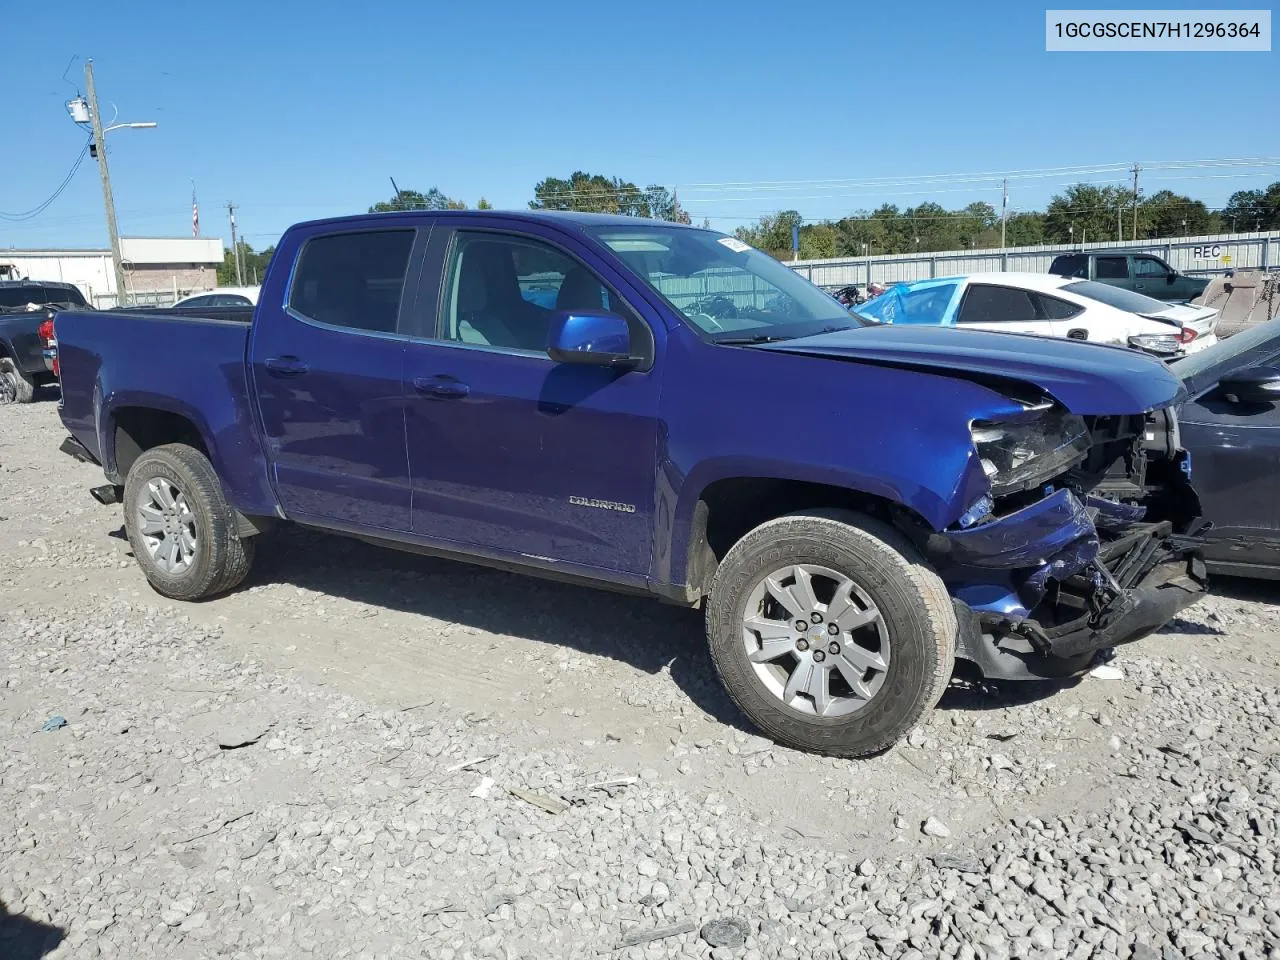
x=222 y=297
x=1049 y=306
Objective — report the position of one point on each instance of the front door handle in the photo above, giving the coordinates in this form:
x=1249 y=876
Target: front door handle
x=285 y=366
x=444 y=387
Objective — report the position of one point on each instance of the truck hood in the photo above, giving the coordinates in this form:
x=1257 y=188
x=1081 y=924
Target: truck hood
x=1088 y=379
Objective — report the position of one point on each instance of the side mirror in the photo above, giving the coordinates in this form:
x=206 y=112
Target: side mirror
x=590 y=337
x=1169 y=278
x=1256 y=385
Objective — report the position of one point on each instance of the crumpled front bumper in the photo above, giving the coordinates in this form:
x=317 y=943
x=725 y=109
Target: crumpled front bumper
x=1038 y=592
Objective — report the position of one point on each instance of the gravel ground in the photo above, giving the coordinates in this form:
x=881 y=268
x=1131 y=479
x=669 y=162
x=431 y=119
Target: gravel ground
x=364 y=754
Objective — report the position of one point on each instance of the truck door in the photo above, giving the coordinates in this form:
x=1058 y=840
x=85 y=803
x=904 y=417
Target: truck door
x=510 y=452
x=327 y=366
x=1154 y=278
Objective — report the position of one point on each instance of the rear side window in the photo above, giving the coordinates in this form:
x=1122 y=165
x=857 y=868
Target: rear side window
x=1051 y=308
x=1112 y=268
x=352 y=280
x=1070 y=265
x=984 y=303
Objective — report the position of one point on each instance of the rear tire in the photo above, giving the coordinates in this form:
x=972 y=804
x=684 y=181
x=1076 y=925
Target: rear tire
x=181 y=529
x=15 y=386
x=878 y=646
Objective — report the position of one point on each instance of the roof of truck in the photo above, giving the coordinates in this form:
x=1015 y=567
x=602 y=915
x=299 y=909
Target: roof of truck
x=563 y=216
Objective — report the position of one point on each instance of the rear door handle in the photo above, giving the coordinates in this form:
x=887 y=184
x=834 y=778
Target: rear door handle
x=444 y=387
x=285 y=366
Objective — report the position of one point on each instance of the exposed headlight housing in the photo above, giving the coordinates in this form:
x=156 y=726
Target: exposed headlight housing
x=1018 y=455
x=1161 y=344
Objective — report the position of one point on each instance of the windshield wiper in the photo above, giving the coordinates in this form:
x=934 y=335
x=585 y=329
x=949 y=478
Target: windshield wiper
x=747 y=341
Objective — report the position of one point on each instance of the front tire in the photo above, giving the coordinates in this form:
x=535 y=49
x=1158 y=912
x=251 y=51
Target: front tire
x=180 y=526
x=877 y=646
x=15 y=386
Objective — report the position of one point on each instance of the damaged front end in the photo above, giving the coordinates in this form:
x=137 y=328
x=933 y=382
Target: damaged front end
x=1086 y=540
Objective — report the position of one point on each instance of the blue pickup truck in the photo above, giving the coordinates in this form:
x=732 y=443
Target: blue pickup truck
x=660 y=409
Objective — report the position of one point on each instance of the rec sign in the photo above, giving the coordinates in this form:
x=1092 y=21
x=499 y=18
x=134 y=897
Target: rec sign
x=1211 y=252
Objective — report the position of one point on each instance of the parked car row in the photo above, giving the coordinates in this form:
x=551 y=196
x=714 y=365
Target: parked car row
x=1048 y=305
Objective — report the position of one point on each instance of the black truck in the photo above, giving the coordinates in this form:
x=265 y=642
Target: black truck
x=27 y=308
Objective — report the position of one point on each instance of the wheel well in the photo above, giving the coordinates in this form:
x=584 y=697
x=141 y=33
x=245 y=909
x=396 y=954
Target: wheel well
x=729 y=509
x=138 y=429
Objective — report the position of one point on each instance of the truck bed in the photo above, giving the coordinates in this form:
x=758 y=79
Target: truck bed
x=179 y=363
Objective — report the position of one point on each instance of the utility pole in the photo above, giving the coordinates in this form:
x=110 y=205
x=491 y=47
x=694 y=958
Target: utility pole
x=100 y=149
x=235 y=247
x=1136 y=170
x=1004 y=210
x=1119 y=220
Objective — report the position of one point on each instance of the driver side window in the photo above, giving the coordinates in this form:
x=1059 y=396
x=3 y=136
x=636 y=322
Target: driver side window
x=1147 y=269
x=502 y=290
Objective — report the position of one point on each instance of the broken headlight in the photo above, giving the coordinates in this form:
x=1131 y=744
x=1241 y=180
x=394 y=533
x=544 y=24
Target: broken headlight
x=1018 y=455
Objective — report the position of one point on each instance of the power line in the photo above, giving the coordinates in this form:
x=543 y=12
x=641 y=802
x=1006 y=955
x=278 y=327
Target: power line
x=42 y=207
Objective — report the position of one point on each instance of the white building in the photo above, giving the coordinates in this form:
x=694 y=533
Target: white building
x=156 y=269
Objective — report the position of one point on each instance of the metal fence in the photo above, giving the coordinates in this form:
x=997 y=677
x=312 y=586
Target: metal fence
x=1197 y=256
x=149 y=298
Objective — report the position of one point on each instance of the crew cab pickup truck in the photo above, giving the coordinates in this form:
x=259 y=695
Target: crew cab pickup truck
x=853 y=505
x=1138 y=271
x=27 y=308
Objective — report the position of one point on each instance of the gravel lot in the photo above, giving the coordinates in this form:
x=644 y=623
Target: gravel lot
x=350 y=757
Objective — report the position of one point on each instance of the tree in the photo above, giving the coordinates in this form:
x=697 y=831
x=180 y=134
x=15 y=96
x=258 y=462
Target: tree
x=1248 y=210
x=771 y=233
x=1024 y=229
x=255 y=265
x=1090 y=210
x=663 y=205
x=585 y=192
x=594 y=193
x=1168 y=214
x=484 y=204
x=433 y=199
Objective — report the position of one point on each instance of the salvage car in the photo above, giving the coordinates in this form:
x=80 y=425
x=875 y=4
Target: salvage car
x=1230 y=425
x=853 y=505
x=27 y=308
x=1050 y=307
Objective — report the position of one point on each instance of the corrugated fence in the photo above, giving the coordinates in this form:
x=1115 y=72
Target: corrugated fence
x=1200 y=256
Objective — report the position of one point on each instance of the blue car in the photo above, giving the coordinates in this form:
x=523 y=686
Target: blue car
x=658 y=409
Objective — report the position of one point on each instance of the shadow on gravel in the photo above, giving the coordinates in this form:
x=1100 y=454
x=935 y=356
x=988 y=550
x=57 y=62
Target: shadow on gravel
x=635 y=630
x=47 y=395
x=968 y=691
x=638 y=631
x=25 y=939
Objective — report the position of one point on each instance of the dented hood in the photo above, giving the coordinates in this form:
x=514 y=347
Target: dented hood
x=1088 y=379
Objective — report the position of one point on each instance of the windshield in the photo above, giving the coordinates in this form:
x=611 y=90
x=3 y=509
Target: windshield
x=1218 y=358
x=1116 y=297
x=25 y=293
x=723 y=287
x=906 y=304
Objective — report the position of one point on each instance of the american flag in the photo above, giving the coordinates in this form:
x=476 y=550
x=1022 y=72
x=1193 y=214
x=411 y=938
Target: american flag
x=195 y=214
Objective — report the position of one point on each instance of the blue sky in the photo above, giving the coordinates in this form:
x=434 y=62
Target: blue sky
x=300 y=110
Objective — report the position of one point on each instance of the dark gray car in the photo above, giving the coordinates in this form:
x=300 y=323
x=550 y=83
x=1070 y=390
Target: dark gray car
x=24 y=360
x=1230 y=424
